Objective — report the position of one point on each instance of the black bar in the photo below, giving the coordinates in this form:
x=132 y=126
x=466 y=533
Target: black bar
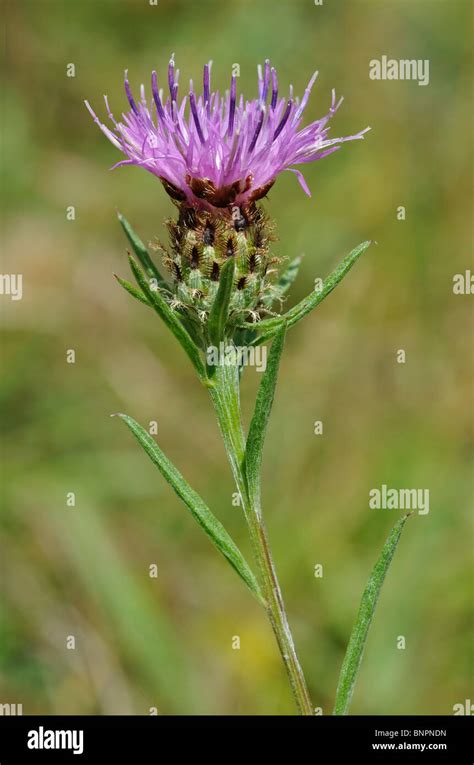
x=159 y=739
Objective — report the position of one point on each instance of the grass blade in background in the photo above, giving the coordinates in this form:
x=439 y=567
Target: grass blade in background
x=263 y=406
x=200 y=511
x=142 y=253
x=170 y=318
x=137 y=623
x=355 y=648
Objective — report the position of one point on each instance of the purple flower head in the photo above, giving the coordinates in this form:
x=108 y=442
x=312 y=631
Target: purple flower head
x=213 y=150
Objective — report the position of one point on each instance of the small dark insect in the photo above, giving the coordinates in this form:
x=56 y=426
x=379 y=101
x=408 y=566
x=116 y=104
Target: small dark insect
x=215 y=272
x=240 y=224
x=241 y=283
x=208 y=234
x=230 y=248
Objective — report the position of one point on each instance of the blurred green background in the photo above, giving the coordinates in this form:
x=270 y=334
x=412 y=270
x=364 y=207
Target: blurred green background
x=83 y=570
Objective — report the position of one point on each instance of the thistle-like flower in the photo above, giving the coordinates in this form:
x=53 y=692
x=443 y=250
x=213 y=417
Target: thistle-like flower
x=217 y=156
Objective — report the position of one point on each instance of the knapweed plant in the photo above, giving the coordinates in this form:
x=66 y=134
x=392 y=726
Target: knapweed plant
x=217 y=158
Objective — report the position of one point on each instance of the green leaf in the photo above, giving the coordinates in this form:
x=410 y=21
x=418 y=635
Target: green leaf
x=170 y=319
x=220 y=308
x=192 y=328
x=142 y=253
x=355 y=648
x=199 y=510
x=289 y=275
x=311 y=301
x=132 y=290
x=268 y=327
x=261 y=415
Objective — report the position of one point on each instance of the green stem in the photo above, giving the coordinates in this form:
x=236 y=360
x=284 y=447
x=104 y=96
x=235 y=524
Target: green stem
x=224 y=392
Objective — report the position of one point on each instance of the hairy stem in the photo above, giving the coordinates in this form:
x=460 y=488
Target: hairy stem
x=225 y=396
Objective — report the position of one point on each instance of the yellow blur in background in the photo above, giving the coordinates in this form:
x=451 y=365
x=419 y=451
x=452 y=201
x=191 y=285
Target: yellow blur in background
x=82 y=570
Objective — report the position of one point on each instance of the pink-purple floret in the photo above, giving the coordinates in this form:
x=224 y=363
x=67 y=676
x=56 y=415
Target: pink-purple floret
x=209 y=145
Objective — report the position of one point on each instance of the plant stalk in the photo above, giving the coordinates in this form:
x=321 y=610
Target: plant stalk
x=224 y=392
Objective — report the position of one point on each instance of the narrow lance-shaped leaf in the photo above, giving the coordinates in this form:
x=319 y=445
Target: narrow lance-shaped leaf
x=268 y=327
x=311 y=301
x=199 y=510
x=355 y=648
x=170 y=318
x=220 y=307
x=263 y=406
x=142 y=253
x=193 y=327
x=137 y=294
